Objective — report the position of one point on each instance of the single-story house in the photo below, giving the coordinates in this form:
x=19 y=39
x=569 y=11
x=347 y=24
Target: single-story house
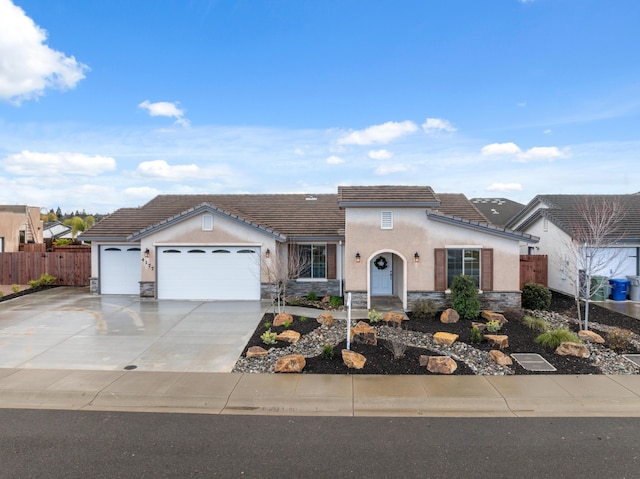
x=555 y=219
x=19 y=224
x=403 y=241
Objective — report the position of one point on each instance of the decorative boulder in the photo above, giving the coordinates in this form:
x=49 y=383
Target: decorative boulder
x=491 y=316
x=256 y=351
x=449 y=316
x=282 y=318
x=500 y=358
x=590 y=336
x=480 y=326
x=395 y=318
x=573 y=349
x=441 y=365
x=291 y=363
x=445 y=339
x=289 y=336
x=326 y=319
x=325 y=299
x=364 y=334
x=352 y=359
x=498 y=340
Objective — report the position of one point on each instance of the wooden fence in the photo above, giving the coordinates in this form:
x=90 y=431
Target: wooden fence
x=533 y=269
x=70 y=268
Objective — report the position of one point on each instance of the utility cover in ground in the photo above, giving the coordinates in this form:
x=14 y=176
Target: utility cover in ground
x=533 y=362
x=634 y=358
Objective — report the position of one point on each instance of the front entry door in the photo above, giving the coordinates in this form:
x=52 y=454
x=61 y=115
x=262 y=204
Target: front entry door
x=382 y=275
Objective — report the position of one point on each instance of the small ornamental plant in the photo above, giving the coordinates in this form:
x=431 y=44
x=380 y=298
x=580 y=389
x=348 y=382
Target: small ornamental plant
x=312 y=296
x=286 y=324
x=494 y=326
x=464 y=293
x=374 y=316
x=267 y=325
x=269 y=337
x=15 y=288
x=476 y=335
x=424 y=309
x=536 y=324
x=336 y=301
x=327 y=351
x=550 y=340
x=303 y=319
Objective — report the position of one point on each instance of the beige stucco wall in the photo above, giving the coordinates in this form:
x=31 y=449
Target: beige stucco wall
x=412 y=232
x=11 y=223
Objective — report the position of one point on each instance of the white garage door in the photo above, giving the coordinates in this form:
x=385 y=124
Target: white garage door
x=120 y=269
x=207 y=272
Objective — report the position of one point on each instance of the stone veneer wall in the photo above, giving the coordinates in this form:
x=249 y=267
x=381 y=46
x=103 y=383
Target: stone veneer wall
x=491 y=300
x=94 y=286
x=330 y=287
x=147 y=289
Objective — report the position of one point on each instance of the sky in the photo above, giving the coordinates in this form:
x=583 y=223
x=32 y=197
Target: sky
x=107 y=103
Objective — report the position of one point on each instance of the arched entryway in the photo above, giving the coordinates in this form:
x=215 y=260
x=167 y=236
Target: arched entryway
x=387 y=277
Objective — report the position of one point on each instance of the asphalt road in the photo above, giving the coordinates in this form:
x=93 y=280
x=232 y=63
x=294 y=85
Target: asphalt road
x=71 y=444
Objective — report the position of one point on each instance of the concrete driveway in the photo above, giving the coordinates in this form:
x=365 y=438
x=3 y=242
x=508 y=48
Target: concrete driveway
x=67 y=328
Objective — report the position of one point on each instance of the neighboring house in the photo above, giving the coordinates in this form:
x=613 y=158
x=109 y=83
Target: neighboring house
x=56 y=230
x=552 y=218
x=19 y=224
x=403 y=241
x=497 y=210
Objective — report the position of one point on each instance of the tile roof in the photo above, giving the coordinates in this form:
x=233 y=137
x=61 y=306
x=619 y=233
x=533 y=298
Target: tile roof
x=497 y=210
x=386 y=195
x=290 y=215
x=562 y=210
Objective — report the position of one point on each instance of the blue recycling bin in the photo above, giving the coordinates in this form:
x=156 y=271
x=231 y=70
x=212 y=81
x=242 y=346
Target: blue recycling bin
x=619 y=289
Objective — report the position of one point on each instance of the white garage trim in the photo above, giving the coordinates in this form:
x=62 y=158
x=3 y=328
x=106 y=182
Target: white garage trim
x=120 y=269
x=208 y=272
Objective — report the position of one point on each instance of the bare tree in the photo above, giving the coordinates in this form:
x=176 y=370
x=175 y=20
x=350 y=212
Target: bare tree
x=596 y=229
x=283 y=266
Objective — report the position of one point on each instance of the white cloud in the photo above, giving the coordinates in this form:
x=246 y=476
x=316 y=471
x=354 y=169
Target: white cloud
x=380 y=154
x=388 y=169
x=165 y=108
x=299 y=151
x=495 y=149
x=57 y=164
x=28 y=66
x=334 y=160
x=547 y=131
x=434 y=126
x=385 y=133
x=141 y=192
x=505 y=187
x=540 y=153
x=161 y=170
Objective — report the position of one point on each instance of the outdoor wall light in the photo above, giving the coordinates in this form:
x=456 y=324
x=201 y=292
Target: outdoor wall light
x=267 y=254
x=146 y=253
x=357 y=257
x=416 y=257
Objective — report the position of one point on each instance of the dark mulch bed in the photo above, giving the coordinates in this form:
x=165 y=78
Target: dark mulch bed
x=24 y=292
x=380 y=360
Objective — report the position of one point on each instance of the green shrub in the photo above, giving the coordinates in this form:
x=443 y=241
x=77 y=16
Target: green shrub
x=303 y=319
x=34 y=283
x=268 y=337
x=267 y=325
x=47 y=279
x=536 y=296
x=312 y=296
x=1 y=294
x=618 y=339
x=374 y=316
x=476 y=335
x=424 y=309
x=465 y=297
x=336 y=301
x=536 y=324
x=15 y=288
x=286 y=324
x=494 y=326
x=327 y=351
x=552 y=339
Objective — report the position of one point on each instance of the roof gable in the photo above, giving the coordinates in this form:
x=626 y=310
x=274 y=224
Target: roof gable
x=386 y=196
x=483 y=227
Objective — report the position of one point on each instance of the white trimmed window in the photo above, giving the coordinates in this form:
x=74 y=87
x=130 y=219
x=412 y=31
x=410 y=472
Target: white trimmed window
x=386 y=220
x=207 y=222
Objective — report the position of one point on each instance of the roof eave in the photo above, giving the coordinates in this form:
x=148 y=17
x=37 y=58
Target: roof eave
x=389 y=204
x=484 y=228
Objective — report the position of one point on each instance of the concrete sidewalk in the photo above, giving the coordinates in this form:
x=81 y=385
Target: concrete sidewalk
x=321 y=395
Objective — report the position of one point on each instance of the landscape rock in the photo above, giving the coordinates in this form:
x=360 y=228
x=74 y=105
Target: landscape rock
x=449 y=316
x=352 y=359
x=572 y=349
x=326 y=319
x=290 y=336
x=498 y=340
x=590 y=336
x=446 y=339
x=291 y=363
x=256 y=351
x=500 y=358
x=364 y=334
x=441 y=365
x=282 y=318
x=396 y=318
x=326 y=299
x=491 y=316
x=480 y=326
